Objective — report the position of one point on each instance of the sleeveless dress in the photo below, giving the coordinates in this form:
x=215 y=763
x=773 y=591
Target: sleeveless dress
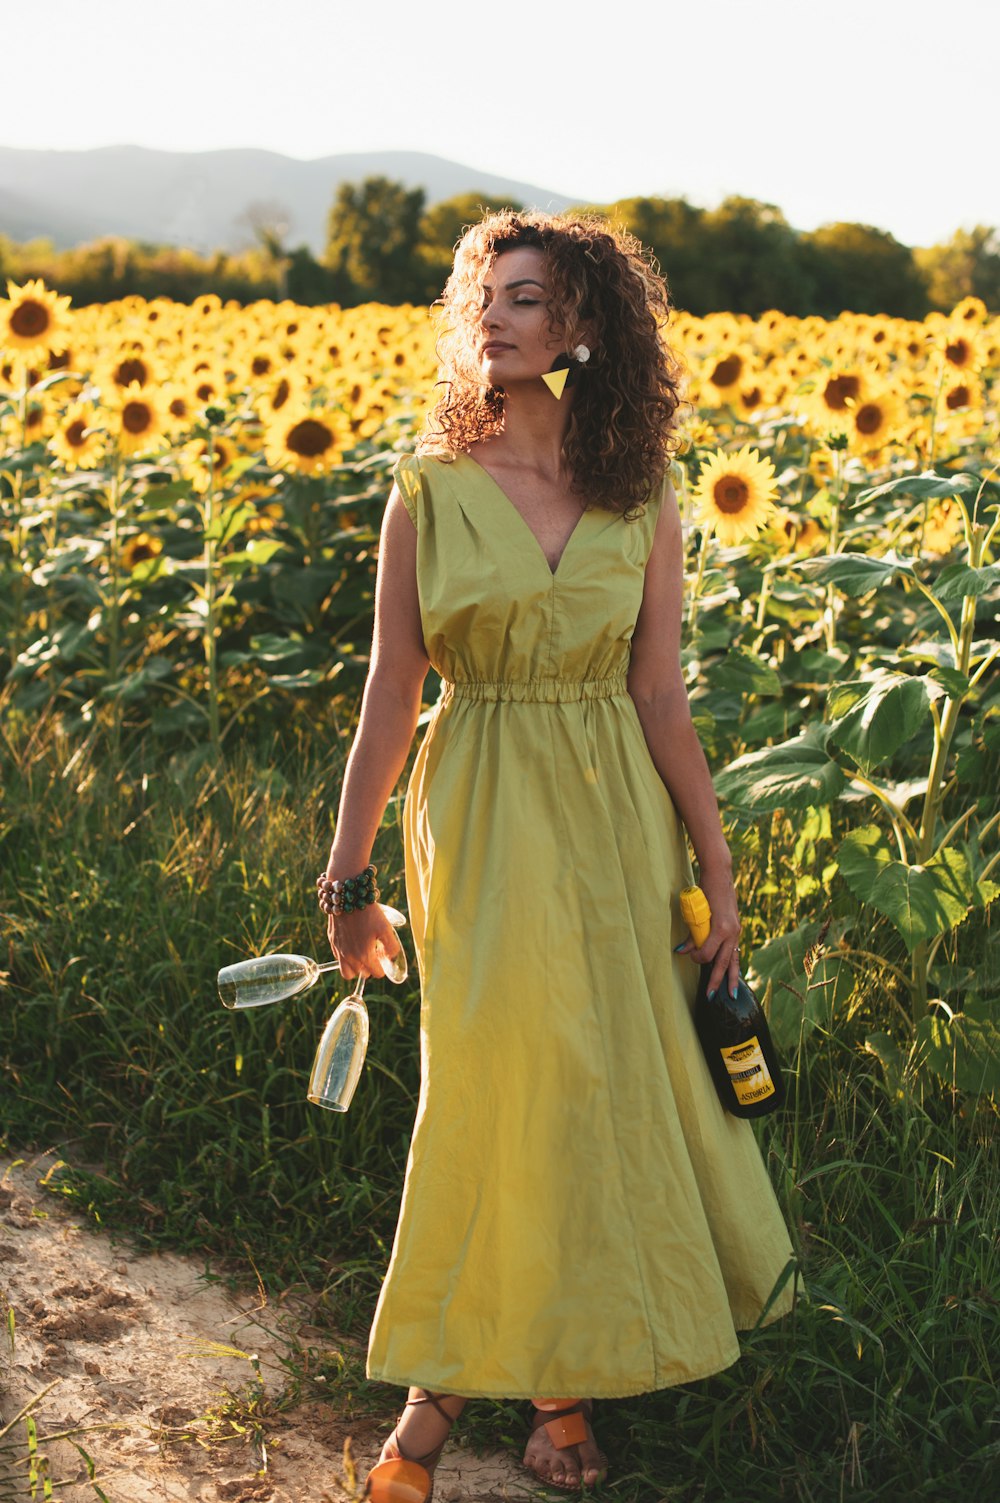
x=579 y=1215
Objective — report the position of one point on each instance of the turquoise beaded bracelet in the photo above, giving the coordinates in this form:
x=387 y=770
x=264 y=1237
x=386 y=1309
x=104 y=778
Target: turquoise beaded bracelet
x=349 y=894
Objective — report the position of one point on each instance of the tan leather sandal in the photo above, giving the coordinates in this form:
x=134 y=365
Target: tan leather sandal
x=565 y=1422
x=402 y=1478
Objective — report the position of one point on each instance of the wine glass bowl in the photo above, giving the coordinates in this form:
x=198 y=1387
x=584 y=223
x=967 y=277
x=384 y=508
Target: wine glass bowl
x=340 y=1054
x=265 y=979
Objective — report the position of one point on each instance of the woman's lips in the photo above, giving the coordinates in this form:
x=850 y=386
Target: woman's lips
x=495 y=347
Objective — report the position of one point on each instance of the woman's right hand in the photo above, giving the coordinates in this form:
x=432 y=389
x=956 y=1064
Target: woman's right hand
x=357 y=939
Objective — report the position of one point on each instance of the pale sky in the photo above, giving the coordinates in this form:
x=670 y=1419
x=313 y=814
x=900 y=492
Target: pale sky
x=880 y=111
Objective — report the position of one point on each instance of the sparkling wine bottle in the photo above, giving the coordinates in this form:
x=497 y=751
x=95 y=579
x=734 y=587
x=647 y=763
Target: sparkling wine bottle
x=733 y=1031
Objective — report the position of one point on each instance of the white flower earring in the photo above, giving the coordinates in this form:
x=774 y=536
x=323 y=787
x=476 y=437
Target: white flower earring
x=556 y=378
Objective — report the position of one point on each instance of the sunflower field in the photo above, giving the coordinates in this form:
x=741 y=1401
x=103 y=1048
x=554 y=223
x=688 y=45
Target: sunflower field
x=191 y=498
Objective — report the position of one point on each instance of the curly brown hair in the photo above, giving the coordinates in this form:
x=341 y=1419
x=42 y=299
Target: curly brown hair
x=622 y=428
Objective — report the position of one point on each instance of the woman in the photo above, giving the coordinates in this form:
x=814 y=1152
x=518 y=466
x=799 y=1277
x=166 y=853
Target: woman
x=579 y=1216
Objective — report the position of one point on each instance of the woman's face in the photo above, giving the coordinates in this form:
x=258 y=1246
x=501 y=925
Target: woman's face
x=516 y=339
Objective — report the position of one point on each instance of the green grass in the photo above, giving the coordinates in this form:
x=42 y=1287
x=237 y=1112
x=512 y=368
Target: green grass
x=126 y=887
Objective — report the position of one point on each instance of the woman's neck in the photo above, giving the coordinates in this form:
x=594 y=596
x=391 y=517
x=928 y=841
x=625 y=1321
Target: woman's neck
x=534 y=428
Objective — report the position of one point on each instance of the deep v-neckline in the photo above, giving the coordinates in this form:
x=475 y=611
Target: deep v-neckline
x=524 y=523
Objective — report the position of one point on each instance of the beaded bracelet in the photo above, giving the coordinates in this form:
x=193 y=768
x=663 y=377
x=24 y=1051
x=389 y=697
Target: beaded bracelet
x=348 y=894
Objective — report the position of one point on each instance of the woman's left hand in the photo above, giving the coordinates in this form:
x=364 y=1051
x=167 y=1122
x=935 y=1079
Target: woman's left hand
x=721 y=948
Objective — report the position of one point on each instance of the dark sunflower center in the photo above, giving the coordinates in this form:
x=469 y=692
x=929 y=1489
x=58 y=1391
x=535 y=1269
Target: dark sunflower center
x=727 y=371
x=261 y=365
x=309 y=438
x=132 y=369
x=869 y=418
x=731 y=494
x=958 y=396
x=838 y=389
x=282 y=392
x=957 y=352
x=30 y=320
x=136 y=417
x=74 y=432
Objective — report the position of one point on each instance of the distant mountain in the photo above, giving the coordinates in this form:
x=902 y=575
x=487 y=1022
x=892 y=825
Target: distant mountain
x=202 y=199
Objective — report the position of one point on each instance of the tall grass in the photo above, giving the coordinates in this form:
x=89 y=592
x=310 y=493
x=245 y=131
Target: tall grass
x=127 y=885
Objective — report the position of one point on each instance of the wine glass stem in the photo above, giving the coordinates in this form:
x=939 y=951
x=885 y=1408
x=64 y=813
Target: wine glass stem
x=329 y=965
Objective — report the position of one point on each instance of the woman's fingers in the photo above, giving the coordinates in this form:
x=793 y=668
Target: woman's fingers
x=359 y=939
x=721 y=952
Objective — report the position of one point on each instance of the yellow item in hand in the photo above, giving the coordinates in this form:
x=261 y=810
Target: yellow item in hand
x=696 y=913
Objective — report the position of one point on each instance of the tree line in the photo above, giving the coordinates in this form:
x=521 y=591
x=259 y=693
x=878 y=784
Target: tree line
x=384 y=243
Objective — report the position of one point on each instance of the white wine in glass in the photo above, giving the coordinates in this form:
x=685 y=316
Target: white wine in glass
x=341 y=1054
x=273 y=978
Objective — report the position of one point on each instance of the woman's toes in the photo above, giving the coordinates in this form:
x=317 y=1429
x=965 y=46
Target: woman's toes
x=593 y=1462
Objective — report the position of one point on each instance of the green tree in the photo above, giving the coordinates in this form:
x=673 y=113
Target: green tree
x=674 y=231
x=751 y=262
x=860 y=269
x=372 y=235
x=967 y=265
x=441 y=226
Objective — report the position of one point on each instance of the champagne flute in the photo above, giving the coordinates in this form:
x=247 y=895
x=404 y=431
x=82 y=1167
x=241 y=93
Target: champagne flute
x=340 y=1054
x=273 y=978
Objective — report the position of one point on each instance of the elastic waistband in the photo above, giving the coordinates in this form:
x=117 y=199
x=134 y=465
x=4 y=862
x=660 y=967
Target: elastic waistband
x=535 y=690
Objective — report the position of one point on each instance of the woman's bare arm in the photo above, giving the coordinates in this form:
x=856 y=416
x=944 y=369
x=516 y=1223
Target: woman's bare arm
x=390 y=709
x=656 y=685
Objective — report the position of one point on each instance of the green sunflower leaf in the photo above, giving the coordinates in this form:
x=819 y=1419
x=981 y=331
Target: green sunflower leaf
x=875 y=717
x=797 y=774
x=854 y=573
x=963 y=1050
x=920 y=901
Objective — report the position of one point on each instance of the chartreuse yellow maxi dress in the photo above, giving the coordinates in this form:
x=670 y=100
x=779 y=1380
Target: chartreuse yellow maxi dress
x=579 y=1215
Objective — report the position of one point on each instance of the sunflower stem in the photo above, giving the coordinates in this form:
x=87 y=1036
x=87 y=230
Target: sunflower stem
x=830 y=614
x=706 y=539
x=210 y=640
x=18 y=538
x=113 y=601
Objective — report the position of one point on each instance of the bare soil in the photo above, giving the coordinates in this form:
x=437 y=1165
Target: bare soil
x=164 y=1384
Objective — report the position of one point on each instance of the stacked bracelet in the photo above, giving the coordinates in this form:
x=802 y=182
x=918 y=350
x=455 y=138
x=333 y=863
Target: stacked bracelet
x=349 y=894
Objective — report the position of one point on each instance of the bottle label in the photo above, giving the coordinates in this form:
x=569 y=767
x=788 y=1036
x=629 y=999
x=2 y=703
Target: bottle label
x=751 y=1079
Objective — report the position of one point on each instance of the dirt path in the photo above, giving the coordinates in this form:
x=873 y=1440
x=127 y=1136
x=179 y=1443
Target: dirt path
x=148 y=1363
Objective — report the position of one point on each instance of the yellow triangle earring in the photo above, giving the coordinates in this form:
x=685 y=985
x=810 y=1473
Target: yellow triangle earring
x=556 y=381
x=562 y=365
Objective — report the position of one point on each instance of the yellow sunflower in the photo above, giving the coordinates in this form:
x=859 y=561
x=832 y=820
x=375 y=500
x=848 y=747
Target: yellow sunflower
x=874 y=421
x=723 y=376
x=971 y=310
x=735 y=494
x=142 y=546
x=138 y=424
x=33 y=319
x=797 y=531
x=193 y=460
x=309 y=440
x=945 y=527
x=833 y=391
x=78 y=441
x=959 y=348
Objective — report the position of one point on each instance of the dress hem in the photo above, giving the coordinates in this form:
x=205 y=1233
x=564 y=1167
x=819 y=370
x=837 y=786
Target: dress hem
x=629 y=1392
x=593 y=1393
